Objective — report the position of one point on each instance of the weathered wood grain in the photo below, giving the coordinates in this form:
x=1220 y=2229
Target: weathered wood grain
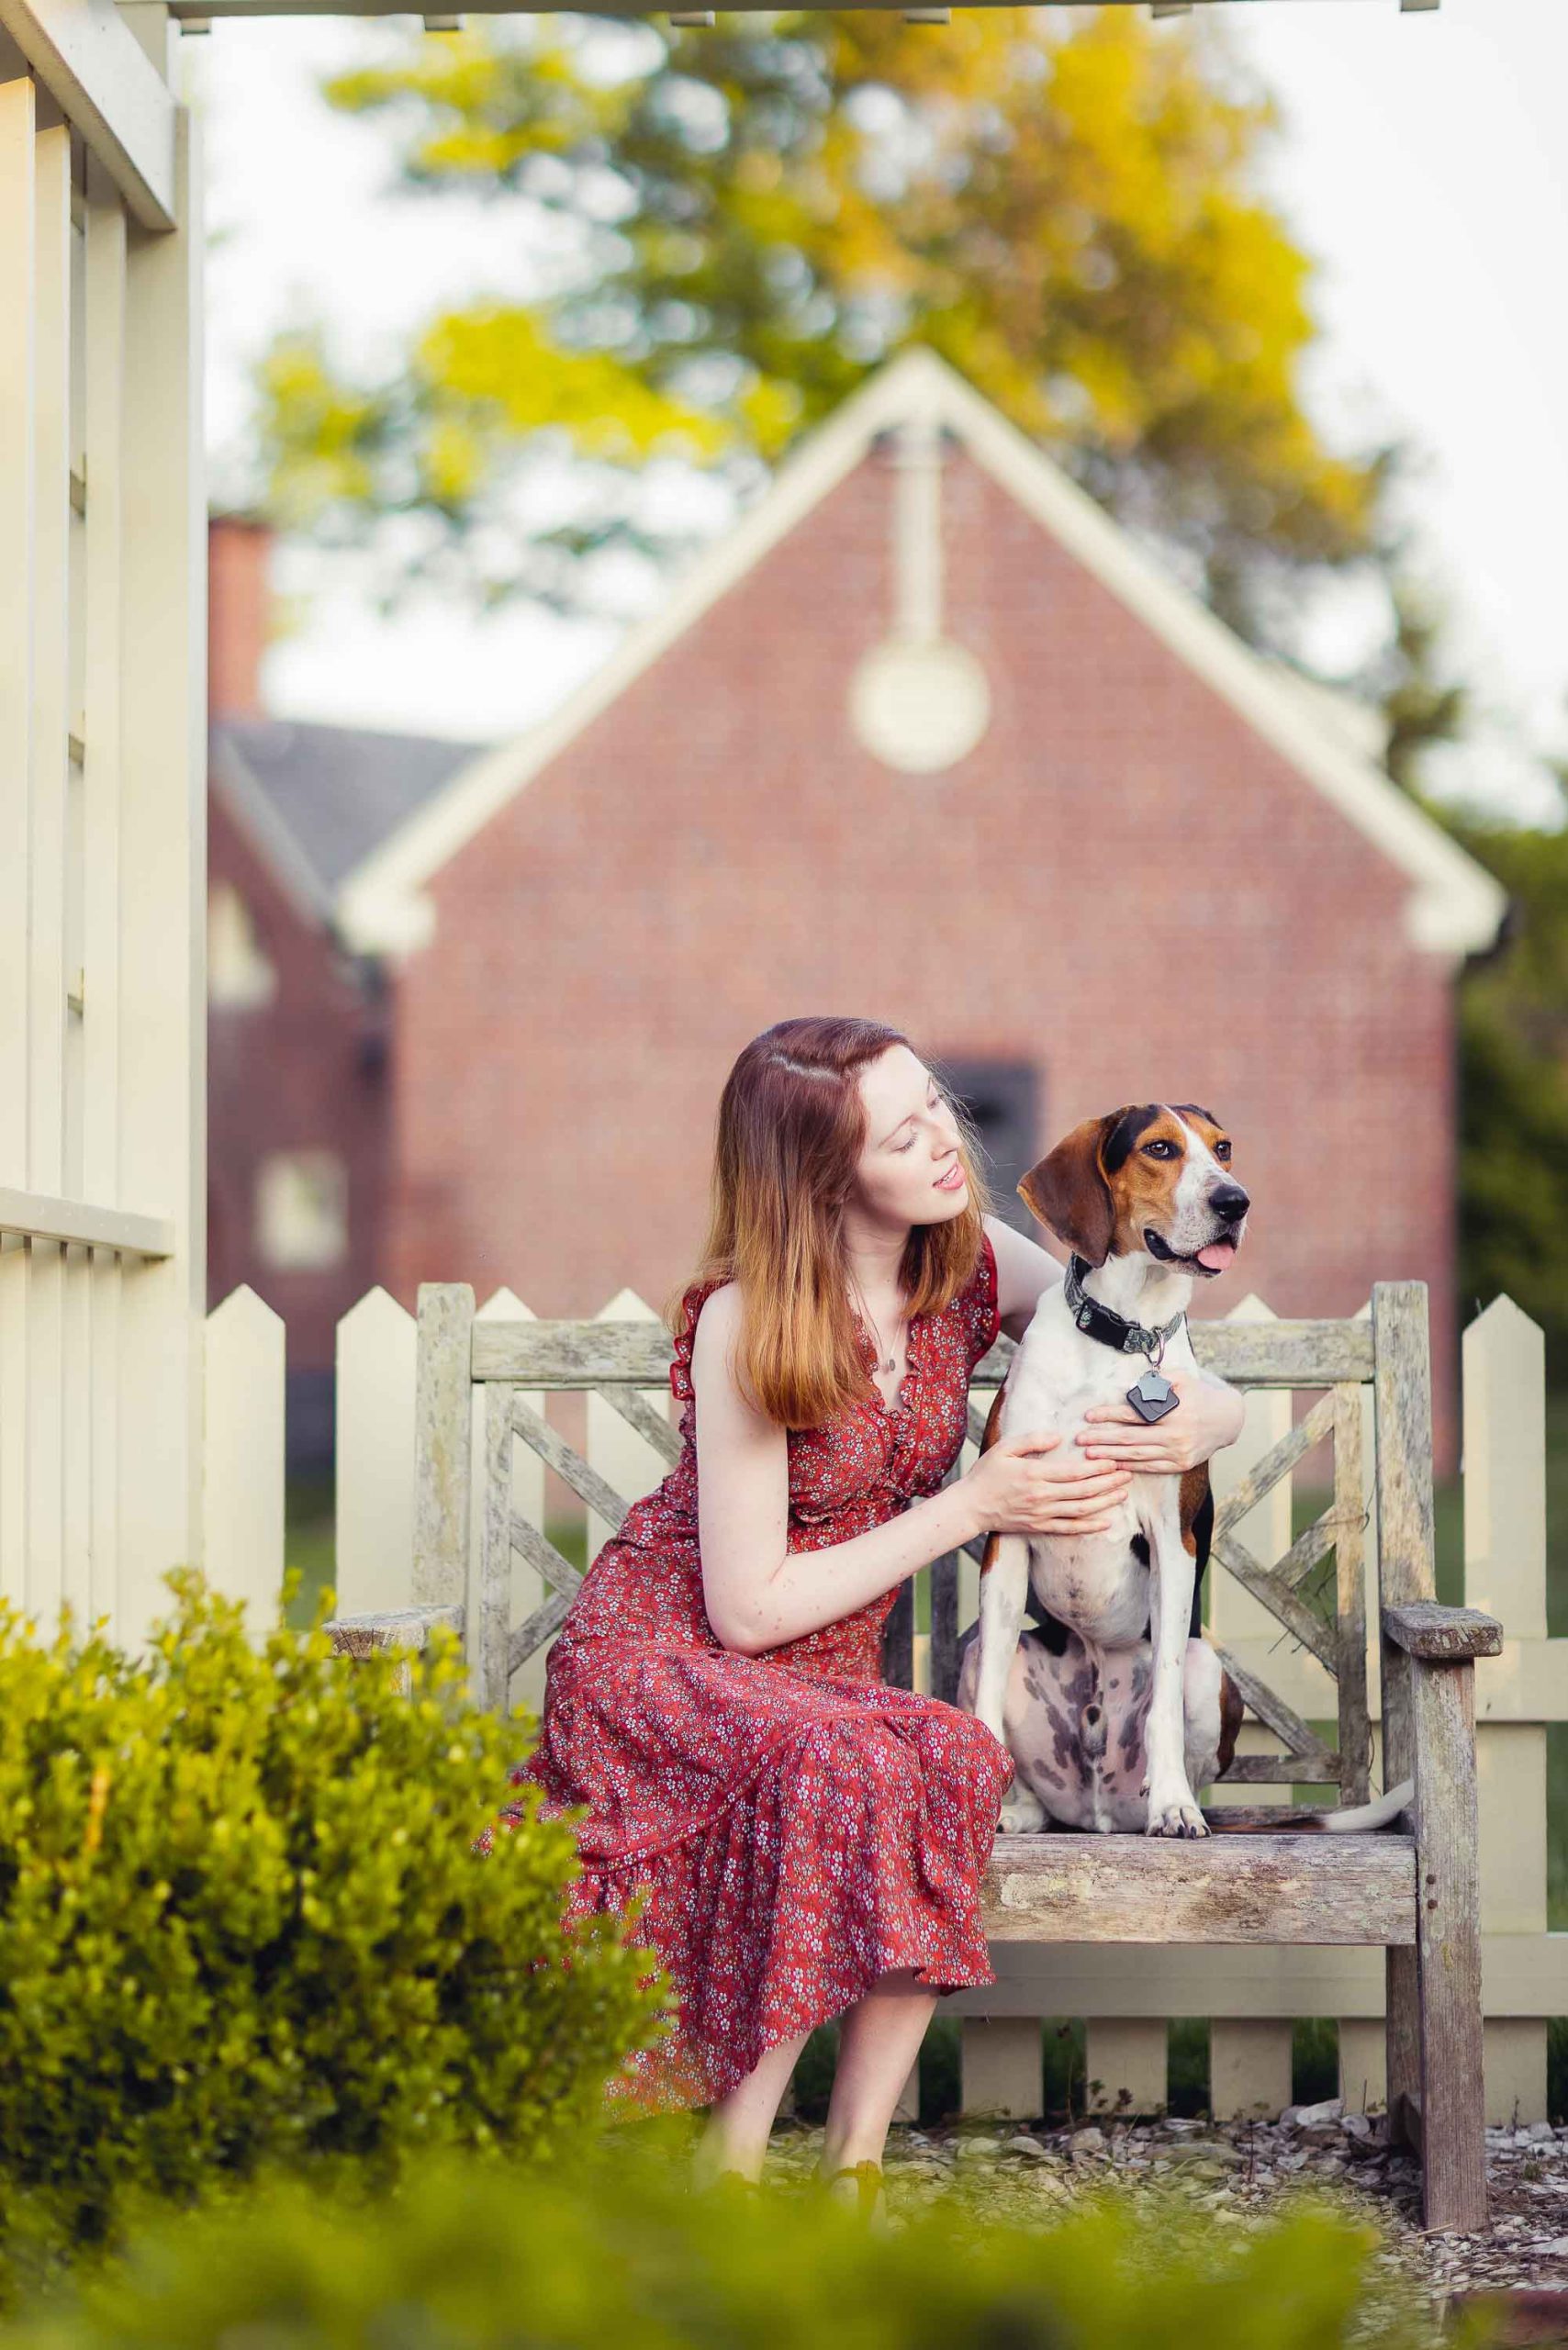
x=638 y=1354
x=395 y=1628
x=442 y=1442
x=1319 y=1768
x=1447 y=1909
x=1277 y=1462
x=1272 y=1710
x=407 y=1628
x=553 y=1450
x=1402 y=1395
x=1442 y=1635
x=542 y=1556
x=1310 y=1888
x=1351 y=1595
x=1283 y=1354
x=1403 y=1384
x=639 y=1414
x=490 y=1631
x=1278 y=1599
x=535 y=1629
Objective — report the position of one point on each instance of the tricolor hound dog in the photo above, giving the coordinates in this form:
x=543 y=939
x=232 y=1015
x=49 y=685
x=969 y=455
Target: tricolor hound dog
x=1117 y=1708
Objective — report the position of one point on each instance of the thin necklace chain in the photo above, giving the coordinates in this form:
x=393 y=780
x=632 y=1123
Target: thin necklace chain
x=884 y=1362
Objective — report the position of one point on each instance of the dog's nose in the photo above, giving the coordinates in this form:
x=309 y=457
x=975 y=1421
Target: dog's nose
x=1230 y=1202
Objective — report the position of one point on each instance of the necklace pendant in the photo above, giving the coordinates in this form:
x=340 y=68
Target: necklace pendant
x=1152 y=1396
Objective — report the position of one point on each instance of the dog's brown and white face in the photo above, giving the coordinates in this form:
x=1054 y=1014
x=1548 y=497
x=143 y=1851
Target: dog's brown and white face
x=1152 y=1177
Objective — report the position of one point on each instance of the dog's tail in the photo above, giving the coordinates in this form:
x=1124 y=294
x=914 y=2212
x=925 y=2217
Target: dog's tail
x=1349 y=1820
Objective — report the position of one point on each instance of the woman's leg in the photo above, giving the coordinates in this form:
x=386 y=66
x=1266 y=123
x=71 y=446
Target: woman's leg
x=878 y=2040
x=738 y=2125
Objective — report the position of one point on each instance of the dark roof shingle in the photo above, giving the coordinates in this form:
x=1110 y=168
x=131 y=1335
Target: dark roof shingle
x=340 y=791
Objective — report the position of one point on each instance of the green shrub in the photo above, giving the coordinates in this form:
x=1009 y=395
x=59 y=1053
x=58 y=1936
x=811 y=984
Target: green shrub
x=242 y=1922
x=467 y=2259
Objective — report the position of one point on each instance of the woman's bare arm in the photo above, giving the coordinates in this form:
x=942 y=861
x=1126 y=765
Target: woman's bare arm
x=758 y=1594
x=1024 y=1272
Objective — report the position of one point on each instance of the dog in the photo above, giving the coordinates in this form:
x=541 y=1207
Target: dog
x=1117 y=1708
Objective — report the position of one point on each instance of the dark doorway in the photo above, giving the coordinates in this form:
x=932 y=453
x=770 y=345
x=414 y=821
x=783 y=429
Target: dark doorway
x=1003 y=1100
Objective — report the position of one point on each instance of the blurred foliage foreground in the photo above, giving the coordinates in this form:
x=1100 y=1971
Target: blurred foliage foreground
x=620 y=2250
x=243 y=1925
x=288 y=2063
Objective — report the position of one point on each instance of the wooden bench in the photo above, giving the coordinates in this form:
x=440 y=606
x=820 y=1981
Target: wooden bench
x=1412 y=1888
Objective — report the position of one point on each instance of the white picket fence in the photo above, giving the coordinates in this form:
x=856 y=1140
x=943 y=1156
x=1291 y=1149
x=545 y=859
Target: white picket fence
x=1127 y=1995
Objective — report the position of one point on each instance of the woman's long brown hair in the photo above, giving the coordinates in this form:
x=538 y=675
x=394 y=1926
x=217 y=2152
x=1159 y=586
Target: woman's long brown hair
x=792 y=1128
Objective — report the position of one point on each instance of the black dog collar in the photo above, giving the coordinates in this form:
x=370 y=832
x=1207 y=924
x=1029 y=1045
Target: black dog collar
x=1112 y=1329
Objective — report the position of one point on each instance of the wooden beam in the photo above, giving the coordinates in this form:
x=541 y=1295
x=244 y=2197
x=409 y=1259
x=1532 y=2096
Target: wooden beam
x=1523 y=1974
x=211 y=9
x=637 y=1354
x=40 y=1216
x=94 y=70
x=1309 y=1888
x=1442 y=1635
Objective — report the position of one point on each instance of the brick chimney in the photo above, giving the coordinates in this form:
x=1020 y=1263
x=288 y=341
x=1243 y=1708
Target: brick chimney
x=238 y=556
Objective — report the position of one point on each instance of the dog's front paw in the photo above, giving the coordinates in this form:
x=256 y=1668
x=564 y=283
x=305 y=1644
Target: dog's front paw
x=1022 y=1813
x=1173 y=1812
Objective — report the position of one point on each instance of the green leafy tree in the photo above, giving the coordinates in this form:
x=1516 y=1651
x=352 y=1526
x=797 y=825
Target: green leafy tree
x=1514 y=1090
x=754 y=216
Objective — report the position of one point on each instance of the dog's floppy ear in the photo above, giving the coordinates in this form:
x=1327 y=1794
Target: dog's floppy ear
x=1069 y=1193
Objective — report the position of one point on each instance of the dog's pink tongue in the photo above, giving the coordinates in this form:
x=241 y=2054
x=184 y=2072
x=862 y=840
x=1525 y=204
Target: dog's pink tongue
x=1217 y=1255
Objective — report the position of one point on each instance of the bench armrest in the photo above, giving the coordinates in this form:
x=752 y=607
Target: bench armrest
x=1441 y=1635
x=397 y=1627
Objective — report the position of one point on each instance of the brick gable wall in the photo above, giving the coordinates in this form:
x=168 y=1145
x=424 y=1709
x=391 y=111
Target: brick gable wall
x=1121 y=883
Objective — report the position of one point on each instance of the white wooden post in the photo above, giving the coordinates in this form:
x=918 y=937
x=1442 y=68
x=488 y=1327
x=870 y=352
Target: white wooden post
x=103 y=818
x=1249 y=2062
x=374 y=1514
x=162 y=890
x=528 y=1587
x=1505 y=1573
x=243 y=1455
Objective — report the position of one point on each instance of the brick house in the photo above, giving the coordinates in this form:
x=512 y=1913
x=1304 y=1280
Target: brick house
x=929 y=737
x=297 y=1097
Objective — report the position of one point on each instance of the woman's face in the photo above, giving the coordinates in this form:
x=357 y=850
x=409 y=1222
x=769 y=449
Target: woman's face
x=909 y=1170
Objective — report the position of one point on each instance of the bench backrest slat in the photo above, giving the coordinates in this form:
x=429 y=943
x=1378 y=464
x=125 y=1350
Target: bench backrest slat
x=462 y=1360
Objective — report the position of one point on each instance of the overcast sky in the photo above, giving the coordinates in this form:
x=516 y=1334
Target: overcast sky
x=1424 y=165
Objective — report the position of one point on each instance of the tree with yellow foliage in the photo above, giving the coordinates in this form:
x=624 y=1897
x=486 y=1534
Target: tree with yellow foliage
x=755 y=215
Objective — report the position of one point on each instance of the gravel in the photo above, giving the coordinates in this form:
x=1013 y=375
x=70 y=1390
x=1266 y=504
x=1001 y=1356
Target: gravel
x=1238 y=2173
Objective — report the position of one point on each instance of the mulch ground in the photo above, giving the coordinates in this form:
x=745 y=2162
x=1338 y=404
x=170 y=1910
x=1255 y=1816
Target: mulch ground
x=1239 y=2172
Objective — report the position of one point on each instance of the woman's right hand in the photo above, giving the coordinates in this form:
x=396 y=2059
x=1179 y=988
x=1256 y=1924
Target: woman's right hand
x=1017 y=1488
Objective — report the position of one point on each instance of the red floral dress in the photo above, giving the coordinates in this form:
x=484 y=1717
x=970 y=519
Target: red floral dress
x=801 y=1826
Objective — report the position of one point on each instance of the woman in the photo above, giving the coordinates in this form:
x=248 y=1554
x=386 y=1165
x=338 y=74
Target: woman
x=811 y=1840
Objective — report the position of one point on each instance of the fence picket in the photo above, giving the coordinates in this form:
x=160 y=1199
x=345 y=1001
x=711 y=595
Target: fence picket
x=375 y=1447
x=1504 y=1363
x=242 y=1489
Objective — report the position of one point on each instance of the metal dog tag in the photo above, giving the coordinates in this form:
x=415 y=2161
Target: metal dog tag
x=1153 y=1396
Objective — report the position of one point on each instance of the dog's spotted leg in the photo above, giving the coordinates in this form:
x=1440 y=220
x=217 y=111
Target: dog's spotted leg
x=1172 y=1806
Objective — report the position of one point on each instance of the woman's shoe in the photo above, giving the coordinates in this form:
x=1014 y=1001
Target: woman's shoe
x=871 y=2200
x=731 y=2181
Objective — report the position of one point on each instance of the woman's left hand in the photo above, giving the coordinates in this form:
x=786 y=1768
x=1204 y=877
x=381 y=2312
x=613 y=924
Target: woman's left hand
x=1208 y=1417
